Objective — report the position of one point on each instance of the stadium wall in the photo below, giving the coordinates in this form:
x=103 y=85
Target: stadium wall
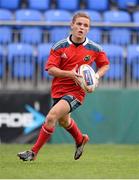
x=107 y=116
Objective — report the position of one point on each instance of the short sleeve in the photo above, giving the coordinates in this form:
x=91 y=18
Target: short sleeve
x=53 y=59
x=101 y=59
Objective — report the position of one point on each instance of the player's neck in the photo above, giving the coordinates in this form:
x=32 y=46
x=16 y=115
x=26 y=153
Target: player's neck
x=77 y=40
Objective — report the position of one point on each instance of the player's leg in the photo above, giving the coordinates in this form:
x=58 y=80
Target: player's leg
x=69 y=124
x=57 y=111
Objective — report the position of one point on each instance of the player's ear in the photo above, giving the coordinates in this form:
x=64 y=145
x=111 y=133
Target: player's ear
x=71 y=25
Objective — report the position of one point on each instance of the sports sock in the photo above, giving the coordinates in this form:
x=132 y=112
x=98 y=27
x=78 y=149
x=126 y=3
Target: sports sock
x=43 y=137
x=75 y=132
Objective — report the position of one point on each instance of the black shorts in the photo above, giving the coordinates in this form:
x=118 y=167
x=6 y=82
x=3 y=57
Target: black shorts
x=73 y=102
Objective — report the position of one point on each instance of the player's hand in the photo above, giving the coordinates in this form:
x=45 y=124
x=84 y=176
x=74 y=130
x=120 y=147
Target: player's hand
x=75 y=76
x=96 y=79
x=89 y=90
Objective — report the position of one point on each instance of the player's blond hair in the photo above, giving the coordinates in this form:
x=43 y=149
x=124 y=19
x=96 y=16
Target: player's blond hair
x=80 y=14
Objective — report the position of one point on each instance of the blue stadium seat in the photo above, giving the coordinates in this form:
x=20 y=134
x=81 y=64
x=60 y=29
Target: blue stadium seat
x=136 y=17
x=21 y=60
x=6 y=15
x=32 y=35
x=12 y=4
x=71 y=5
x=120 y=36
x=133 y=60
x=2 y=63
x=95 y=35
x=28 y=15
x=98 y=5
x=94 y=15
x=39 y=5
x=57 y=34
x=5 y=35
x=57 y=15
x=115 y=55
x=116 y=16
x=124 y=4
x=136 y=20
x=43 y=53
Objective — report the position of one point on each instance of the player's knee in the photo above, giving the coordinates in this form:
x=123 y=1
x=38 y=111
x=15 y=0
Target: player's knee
x=51 y=119
x=64 y=123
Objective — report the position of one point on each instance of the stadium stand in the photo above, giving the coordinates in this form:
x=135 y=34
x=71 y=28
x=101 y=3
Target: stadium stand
x=21 y=64
x=57 y=15
x=28 y=15
x=12 y=4
x=31 y=35
x=115 y=55
x=95 y=34
x=133 y=61
x=57 y=34
x=95 y=5
x=2 y=63
x=116 y=16
x=43 y=52
x=40 y=36
x=42 y=5
x=5 y=35
x=120 y=36
x=94 y=15
x=124 y=4
x=5 y=15
x=71 y=5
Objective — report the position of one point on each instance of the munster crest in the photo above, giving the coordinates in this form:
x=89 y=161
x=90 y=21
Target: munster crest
x=87 y=58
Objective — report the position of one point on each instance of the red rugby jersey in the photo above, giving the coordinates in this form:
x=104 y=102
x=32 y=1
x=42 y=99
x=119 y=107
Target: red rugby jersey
x=65 y=55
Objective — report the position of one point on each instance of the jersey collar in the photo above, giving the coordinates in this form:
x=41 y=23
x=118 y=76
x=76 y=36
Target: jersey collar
x=69 y=41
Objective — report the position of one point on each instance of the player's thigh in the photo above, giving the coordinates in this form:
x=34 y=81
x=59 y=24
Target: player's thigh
x=61 y=109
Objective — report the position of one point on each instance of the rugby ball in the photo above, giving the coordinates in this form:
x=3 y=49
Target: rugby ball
x=88 y=77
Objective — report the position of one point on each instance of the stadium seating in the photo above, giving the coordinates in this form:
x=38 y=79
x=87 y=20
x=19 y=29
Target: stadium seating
x=43 y=53
x=57 y=16
x=12 y=4
x=32 y=35
x=124 y=4
x=95 y=35
x=133 y=60
x=116 y=16
x=94 y=15
x=98 y=5
x=21 y=61
x=136 y=17
x=5 y=35
x=39 y=5
x=2 y=63
x=71 y=5
x=115 y=55
x=28 y=15
x=5 y=15
x=57 y=34
x=120 y=36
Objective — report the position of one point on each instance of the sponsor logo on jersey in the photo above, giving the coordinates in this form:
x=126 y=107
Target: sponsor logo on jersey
x=87 y=58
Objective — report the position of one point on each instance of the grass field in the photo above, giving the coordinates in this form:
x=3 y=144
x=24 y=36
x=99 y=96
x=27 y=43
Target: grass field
x=56 y=162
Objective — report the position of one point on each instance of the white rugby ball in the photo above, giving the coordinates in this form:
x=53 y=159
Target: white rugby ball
x=88 y=77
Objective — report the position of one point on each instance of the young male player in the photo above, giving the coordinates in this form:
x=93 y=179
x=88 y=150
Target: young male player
x=65 y=57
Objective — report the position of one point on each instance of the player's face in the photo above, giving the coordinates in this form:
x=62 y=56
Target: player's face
x=80 y=28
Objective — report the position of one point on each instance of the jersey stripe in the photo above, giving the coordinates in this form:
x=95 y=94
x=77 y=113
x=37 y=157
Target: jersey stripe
x=60 y=44
x=93 y=46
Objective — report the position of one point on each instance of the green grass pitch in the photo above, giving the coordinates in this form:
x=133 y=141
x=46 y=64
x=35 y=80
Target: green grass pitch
x=56 y=162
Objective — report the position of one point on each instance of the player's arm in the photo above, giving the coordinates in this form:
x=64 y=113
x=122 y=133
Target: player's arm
x=57 y=72
x=101 y=71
